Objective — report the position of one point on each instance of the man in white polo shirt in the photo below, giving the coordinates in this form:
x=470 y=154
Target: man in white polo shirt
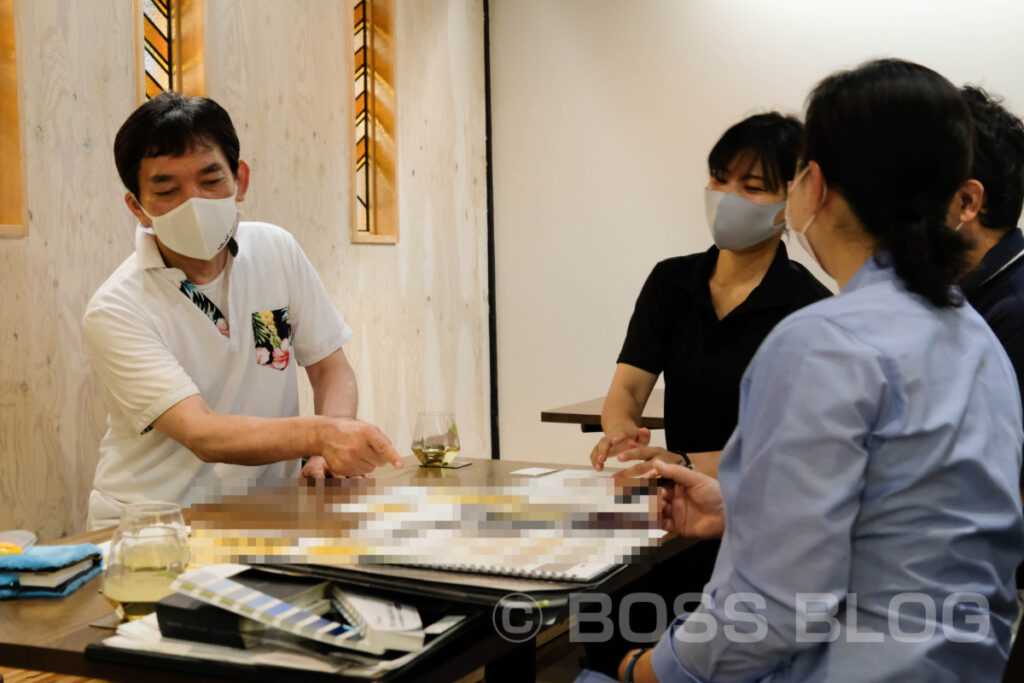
x=196 y=336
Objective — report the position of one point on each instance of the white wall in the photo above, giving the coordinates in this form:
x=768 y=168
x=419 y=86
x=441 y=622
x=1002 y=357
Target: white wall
x=603 y=113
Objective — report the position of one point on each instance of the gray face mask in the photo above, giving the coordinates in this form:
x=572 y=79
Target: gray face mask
x=738 y=223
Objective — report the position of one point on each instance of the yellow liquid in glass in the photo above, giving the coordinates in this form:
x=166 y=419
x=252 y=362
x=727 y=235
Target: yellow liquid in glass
x=135 y=594
x=436 y=456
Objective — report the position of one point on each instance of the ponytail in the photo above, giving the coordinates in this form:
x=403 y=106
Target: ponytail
x=928 y=256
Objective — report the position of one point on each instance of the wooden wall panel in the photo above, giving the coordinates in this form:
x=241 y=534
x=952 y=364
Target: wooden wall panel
x=419 y=308
x=77 y=87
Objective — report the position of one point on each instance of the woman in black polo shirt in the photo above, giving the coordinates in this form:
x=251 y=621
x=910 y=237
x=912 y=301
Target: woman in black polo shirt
x=700 y=318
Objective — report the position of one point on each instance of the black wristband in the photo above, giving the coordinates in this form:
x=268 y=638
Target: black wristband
x=685 y=460
x=632 y=663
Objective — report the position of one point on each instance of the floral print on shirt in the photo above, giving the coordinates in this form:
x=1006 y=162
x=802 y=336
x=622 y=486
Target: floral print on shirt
x=272 y=332
x=206 y=306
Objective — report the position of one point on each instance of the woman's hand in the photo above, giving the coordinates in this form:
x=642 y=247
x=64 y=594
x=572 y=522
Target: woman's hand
x=647 y=454
x=693 y=506
x=618 y=442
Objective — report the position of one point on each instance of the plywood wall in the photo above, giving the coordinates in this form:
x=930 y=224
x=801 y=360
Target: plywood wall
x=419 y=309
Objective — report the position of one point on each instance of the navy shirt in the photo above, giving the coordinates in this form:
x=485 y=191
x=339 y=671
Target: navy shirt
x=996 y=290
x=675 y=330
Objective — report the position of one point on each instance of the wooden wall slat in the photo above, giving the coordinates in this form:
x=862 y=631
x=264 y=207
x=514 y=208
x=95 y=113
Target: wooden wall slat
x=419 y=309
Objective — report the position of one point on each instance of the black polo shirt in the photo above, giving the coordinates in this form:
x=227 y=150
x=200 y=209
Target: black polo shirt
x=674 y=329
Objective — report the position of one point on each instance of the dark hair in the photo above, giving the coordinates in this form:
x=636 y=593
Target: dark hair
x=894 y=138
x=172 y=124
x=772 y=138
x=998 y=158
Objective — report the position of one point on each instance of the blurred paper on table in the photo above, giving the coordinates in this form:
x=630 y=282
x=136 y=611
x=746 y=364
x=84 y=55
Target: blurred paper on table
x=527 y=523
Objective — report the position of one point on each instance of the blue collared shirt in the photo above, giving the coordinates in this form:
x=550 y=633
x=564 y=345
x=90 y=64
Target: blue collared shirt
x=875 y=466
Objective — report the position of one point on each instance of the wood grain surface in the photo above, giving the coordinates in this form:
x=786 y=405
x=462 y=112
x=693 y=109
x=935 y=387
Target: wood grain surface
x=419 y=308
x=77 y=87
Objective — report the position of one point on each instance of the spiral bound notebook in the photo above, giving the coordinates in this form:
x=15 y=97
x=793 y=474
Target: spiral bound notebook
x=582 y=573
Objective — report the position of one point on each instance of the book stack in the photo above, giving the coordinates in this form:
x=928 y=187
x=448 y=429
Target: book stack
x=48 y=571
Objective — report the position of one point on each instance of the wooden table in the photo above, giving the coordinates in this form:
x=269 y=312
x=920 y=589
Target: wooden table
x=587 y=414
x=51 y=635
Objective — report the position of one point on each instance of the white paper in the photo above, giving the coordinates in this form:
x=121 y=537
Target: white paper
x=144 y=634
x=574 y=474
x=224 y=570
x=384 y=615
x=533 y=471
x=443 y=624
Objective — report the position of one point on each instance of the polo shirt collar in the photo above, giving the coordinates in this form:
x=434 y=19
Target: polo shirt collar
x=1011 y=244
x=774 y=290
x=147 y=253
x=148 y=257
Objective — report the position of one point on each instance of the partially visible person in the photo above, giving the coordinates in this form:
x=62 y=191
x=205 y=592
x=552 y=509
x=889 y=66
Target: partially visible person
x=699 y=318
x=986 y=211
x=196 y=336
x=868 y=501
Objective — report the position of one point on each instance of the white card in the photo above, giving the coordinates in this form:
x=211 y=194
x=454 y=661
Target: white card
x=533 y=471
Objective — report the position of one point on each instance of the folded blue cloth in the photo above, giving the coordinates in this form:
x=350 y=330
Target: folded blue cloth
x=46 y=558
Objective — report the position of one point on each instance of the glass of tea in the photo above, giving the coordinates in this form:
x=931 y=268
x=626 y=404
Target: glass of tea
x=147 y=551
x=435 y=440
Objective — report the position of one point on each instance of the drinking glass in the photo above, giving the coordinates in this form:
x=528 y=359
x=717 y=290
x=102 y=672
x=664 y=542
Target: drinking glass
x=155 y=514
x=435 y=440
x=148 y=550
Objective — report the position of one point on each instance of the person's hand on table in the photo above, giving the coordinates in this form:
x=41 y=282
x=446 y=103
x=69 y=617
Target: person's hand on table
x=617 y=442
x=315 y=468
x=693 y=506
x=646 y=454
x=350 y=447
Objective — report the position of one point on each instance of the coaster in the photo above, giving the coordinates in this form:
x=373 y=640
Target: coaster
x=108 y=622
x=456 y=464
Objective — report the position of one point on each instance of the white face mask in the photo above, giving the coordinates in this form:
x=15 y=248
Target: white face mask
x=199 y=228
x=738 y=223
x=801 y=234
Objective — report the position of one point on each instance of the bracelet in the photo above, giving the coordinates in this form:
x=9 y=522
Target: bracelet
x=685 y=461
x=632 y=663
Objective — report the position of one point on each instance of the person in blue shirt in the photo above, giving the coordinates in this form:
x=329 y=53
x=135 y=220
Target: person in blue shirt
x=867 y=500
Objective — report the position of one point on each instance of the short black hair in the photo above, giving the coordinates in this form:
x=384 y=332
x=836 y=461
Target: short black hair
x=998 y=158
x=172 y=124
x=895 y=139
x=773 y=139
